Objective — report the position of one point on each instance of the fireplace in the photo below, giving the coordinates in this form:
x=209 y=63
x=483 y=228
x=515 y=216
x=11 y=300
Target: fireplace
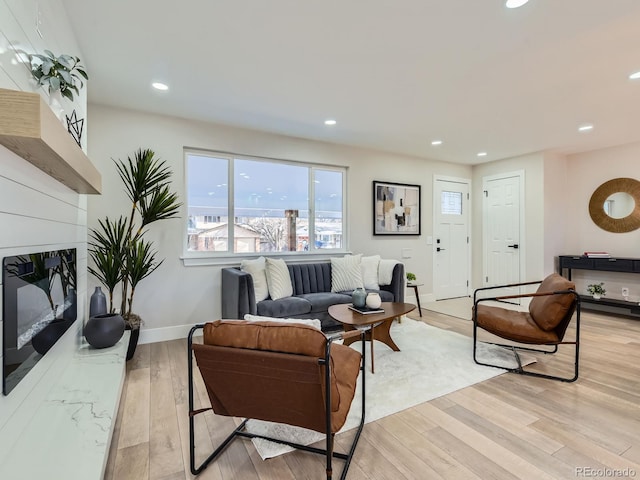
x=39 y=305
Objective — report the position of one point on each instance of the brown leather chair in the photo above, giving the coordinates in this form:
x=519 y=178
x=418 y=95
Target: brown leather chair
x=550 y=312
x=278 y=372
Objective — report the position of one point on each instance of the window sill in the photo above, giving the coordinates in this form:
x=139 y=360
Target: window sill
x=223 y=260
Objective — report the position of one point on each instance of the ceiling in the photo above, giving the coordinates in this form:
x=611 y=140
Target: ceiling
x=395 y=75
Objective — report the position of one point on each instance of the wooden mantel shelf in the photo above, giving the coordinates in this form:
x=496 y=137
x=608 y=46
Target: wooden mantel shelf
x=30 y=129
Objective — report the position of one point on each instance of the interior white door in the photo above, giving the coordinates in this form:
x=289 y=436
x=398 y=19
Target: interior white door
x=502 y=225
x=451 y=244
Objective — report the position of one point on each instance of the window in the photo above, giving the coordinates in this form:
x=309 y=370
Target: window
x=451 y=203
x=275 y=206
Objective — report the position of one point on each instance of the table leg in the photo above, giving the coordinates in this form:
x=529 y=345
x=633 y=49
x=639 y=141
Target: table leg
x=384 y=335
x=373 y=370
x=415 y=290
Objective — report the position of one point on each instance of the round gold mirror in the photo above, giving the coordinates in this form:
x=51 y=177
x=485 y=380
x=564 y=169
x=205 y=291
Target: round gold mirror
x=615 y=205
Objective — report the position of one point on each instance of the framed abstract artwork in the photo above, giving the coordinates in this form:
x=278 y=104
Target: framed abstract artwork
x=396 y=208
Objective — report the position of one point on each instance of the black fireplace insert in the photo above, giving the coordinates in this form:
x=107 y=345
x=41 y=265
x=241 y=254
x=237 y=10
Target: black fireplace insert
x=39 y=305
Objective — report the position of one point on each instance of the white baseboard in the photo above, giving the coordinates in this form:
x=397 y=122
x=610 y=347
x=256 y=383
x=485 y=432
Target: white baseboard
x=163 y=334
x=429 y=297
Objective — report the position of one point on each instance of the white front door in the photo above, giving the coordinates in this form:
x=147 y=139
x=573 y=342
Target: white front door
x=502 y=230
x=451 y=239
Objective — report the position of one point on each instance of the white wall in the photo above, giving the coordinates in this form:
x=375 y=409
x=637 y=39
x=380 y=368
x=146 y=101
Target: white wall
x=176 y=295
x=585 y=173
x=556 y=210
x=37 y=213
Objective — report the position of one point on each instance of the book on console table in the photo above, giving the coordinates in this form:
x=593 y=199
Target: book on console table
x=366 y=310
x=597 y=254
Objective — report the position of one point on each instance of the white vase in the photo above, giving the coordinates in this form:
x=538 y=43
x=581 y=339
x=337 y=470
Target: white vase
x=374 y=300
x=597 y=296
x=55 y=103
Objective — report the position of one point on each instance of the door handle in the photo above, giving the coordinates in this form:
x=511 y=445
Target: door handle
x=439 y=249
x=515 y=245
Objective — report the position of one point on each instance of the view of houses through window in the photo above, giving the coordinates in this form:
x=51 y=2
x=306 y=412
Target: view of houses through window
x=242 y=204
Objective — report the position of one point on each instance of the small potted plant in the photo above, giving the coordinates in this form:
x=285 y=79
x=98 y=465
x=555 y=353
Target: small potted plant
x=411 y=277
x=597 y=290
x=63 y=73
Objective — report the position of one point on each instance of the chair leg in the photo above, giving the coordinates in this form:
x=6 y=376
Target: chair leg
x=520 y=369
x=195 y=470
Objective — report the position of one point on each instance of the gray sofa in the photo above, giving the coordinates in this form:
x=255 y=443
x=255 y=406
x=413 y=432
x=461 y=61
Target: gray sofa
x=312 y=295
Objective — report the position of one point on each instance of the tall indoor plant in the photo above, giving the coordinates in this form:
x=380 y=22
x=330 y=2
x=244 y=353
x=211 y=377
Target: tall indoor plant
x=117 y=247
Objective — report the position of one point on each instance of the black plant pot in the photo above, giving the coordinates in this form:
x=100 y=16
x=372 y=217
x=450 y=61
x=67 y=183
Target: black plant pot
x=133 y=342
x=102 y=331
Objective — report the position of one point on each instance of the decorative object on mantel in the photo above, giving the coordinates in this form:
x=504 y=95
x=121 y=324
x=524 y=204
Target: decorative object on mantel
x=98 y=303
x=120 y=254
x=63 y=73
x=104 y=330
x=597 y=290
x=75 y=126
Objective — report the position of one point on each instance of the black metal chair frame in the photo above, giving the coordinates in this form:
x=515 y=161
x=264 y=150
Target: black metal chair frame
x=241 y=432
x=514 y=348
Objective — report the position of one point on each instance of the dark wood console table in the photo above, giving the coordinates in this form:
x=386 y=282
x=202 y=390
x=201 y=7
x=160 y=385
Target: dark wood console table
x=623 y=265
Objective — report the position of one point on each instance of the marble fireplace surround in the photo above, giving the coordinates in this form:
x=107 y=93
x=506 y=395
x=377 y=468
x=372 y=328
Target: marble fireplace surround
x=64 y=414
x=70 y=430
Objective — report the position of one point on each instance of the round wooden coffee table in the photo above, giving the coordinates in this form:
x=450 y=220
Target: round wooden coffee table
x=377 y=324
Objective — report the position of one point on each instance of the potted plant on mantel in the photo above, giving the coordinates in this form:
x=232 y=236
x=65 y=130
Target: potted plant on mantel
x=118 y=249
x=62 y=74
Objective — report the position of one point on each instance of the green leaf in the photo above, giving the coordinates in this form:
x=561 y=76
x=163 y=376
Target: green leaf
x=162 y=204
x=111 y=234
x=49 y=54
x=46 y=66
x=54 y=83
x=141 y=261
x=142 y=174
x=65 y=76
x=67 y=94
x=66 y=61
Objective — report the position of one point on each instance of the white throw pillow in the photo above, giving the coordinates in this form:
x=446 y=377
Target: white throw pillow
x=385 y=271
x=315 y=323
x=257 y=269
x=370 y=272
x=278 y=279
x=346 y=273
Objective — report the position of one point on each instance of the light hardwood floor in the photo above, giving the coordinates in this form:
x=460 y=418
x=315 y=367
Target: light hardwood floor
x=508 y=427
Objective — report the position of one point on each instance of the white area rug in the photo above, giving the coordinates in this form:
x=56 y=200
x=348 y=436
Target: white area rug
x=432 y=362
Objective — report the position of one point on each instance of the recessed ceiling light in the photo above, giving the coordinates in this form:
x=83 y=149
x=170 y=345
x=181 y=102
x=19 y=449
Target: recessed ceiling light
x=436 y=142
x=330 y=122
x=160 y=86
x=515 y=3
x=634 y=76
x=482 y=154
x=585 y=128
